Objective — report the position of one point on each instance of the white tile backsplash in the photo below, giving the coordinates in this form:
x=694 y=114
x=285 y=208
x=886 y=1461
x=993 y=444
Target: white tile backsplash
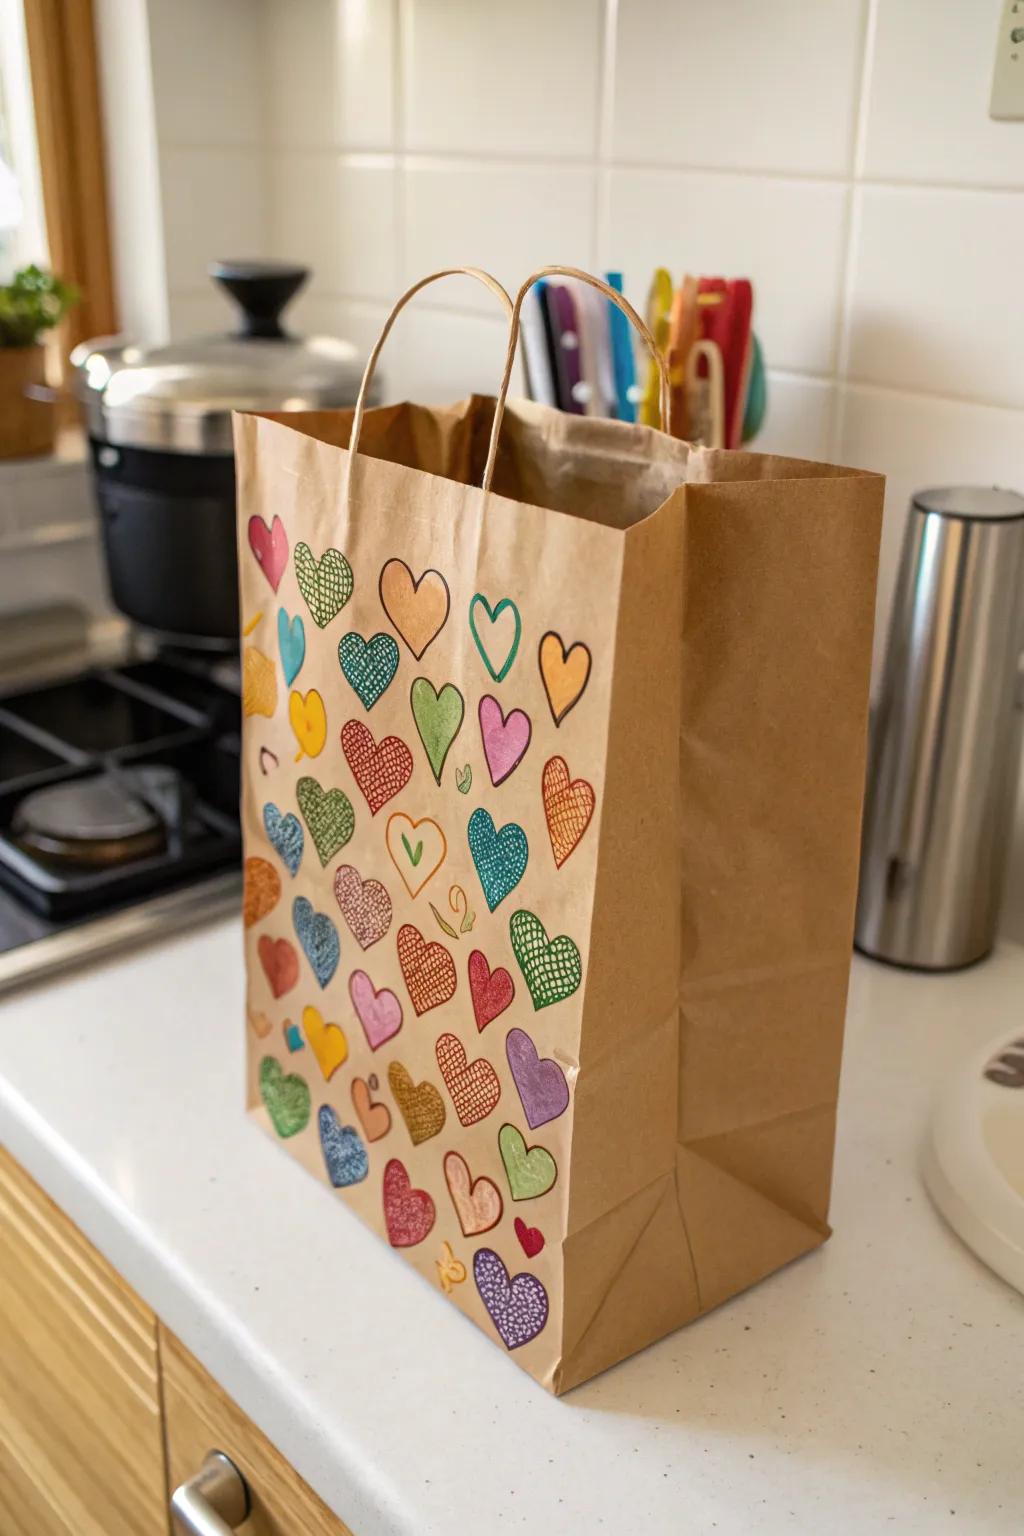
x=214 y=208
x=337 y=215
x=330 y=73
x=207 y=71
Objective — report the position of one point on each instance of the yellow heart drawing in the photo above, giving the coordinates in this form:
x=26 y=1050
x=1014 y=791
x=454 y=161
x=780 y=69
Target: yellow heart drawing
x=564 y=672
x=417 y=849
x=326 y=1041
x=309 y=722
x=259 y=684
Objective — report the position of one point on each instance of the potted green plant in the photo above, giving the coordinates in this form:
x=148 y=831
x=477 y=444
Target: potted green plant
x=31 y=304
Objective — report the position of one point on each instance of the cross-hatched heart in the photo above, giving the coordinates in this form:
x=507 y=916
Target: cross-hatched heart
x=551 y=968
x=368 y=665
x=328 y=814
x=326 y=584
x=473 y=1085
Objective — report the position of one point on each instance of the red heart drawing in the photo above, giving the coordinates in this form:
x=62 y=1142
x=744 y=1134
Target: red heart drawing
x=380 y=771
x=280 y=962
x=270 y=546
x=531 y=1238
x=491 y=991
x=429 y=969
x=408 y=1213
x=568 y=807
x=365 y=905
x=473 y=1085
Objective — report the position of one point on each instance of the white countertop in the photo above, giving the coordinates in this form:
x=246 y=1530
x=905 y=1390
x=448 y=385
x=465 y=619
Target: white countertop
x=876 y=1385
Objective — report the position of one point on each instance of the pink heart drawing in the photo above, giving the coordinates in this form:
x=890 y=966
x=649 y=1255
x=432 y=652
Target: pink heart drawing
x=505 y=738
x=380 y=1013
x=365 y=905
x=270 y=546
x=518 y=1307
x=540 y=1081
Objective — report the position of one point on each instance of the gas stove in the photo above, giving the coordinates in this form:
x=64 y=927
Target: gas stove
x=118 y=808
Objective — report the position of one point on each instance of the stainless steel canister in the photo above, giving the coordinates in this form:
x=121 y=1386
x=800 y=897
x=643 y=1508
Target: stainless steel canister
x=945 y=749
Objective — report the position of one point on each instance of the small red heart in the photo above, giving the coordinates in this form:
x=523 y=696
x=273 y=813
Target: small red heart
x=280 y=962
x=530 y=1238
x=408 y=1213
x=491 y=991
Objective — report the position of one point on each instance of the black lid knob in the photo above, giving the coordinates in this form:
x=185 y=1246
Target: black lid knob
x=261 y=289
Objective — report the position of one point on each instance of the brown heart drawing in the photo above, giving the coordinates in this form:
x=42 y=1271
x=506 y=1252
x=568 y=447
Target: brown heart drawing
x=568 y=807
x=261 y=890
x=473 y=1085
x=365 y=905
x=478 y=1203
x=421 y=1105
x=280 y=962
x=375 y=1119
x=417 y=608
x=428 y=969
x=381 y=771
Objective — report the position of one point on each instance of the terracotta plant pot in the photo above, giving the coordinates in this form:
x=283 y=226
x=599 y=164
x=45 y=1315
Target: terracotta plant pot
x=28 y=426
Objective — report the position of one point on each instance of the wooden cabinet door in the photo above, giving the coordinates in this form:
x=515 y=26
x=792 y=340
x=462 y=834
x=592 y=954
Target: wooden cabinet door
x=199 y=1417
x=81 y=1445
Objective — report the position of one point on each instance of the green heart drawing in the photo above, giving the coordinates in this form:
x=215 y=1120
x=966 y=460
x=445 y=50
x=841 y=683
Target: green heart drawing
x=531 y=1171
x=369 y=665
x=464 y=779
x=493 y=615
x=326 y=584
x=551 y=967
x=438 y=717
x=328 y=814
x=286 y=1097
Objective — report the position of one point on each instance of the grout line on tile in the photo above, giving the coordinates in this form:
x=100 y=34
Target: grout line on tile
x=401 y=25
x=935 y=396
x=599 y=234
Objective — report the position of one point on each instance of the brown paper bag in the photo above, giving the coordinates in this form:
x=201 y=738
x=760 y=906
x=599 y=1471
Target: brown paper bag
x=551 y=805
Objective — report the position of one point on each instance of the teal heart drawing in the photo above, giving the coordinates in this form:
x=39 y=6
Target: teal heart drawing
x=328 y=814
x=285 y=834
x=493 y=615
x=286 y=1096
x=551 y=968
x=438 y=717
x=500 y=857
x=318 y=937
x=369 y=665
x=291 y=642
x=326 y=584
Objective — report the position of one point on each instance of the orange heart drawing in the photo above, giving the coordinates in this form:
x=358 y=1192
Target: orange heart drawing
x=259 y=1024
x=417 y=608
x=417 y=849
x=478 y=1203
x=259 y=683
x=421 y=1105
x=428 y=969
x=375 y=1119
x=326 y=1041
x=280 y=963
x=564 y=673
x=568 y=807
x=473 y=1085
x=308 y=721
x=261 y=890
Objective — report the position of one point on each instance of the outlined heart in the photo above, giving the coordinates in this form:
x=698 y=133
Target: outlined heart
x=308 y=720
x=428 y=969
x=375 y=1119
x=551 y=968
x=365 y=905
x=504 y=645
x=326 y=1041
x=285 y=835
x=344 y=1154
x=318 y=937
x=326 y=584
x=291 y=643
x=531 y=1239
x=329 y=816
x=417 y=849
x=381 y=771
x=418 y=609
x=518 y=1307
x=280 y=963
x=540 y=1081
x=380 y=1013
x=473 y=1085
x=259 y=684
x=368 y=665
x=438 y=718
x=408 y=1213
x=270 y=546
x=261 y=890
x=531 y=1171
x=564 y=673
x=505 y=738
x=421 y=1105
x=286 y=1096
x=491 y=991
x=478 y=1203
x=500 y=857
x=568 y=807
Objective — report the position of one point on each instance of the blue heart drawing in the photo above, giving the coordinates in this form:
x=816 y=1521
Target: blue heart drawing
x=318 y=937
x=344 y=1153
x=286 y=836
x=291 y=642
x=369 y=665
x=500 y=857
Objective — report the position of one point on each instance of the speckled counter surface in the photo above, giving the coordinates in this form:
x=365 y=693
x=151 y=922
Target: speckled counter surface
x=876 y=1385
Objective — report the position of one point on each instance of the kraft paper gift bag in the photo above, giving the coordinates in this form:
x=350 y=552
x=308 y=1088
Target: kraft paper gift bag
x=553 y=760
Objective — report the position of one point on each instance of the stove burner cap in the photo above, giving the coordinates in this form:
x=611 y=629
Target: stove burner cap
x=96 y=821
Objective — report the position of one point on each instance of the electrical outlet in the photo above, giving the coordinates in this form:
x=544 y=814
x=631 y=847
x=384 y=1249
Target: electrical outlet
x=1008 y=76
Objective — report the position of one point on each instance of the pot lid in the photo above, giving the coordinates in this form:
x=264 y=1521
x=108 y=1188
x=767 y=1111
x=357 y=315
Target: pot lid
x=179 y=398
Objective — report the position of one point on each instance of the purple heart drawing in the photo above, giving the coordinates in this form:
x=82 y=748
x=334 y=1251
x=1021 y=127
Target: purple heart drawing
x=518 y=1307
x=541 y=1081
x=505 y=738
x=380 y=1013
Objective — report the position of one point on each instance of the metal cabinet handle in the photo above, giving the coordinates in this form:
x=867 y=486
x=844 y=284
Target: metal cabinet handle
x=213 y=1502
